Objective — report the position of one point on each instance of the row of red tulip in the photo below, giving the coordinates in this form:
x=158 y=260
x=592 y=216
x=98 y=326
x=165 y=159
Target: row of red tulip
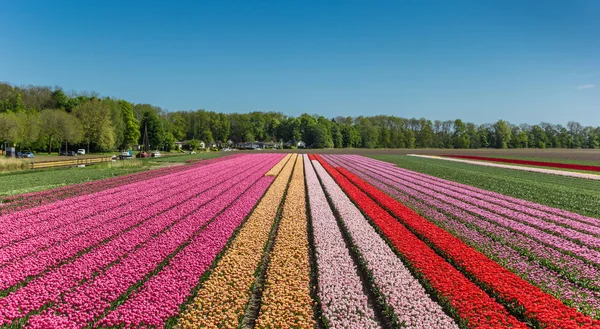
x=465 y=299
x=536 y=305
x=573 y=166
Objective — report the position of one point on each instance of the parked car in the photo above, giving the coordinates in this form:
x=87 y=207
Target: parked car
x=227 y=149
x=156 y=154
x=125 y=155
x=192 y=152
x=28 y=155
x=143 y=154
x=81 y=151
x=68 y=153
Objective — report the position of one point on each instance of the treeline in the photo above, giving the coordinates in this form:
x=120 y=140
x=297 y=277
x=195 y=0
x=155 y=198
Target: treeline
x=44 y=118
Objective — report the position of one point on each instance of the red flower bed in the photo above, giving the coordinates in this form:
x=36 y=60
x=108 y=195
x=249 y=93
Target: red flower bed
x=537 y=305
x=469 y=301
x=528 y=162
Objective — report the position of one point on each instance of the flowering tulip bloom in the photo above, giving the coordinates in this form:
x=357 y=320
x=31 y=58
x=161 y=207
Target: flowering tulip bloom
x=402 y=292
x=343 y=300
x=223 y=297
x=563 y=275
x=286 y=300
x=151 y=234
x=507 y=285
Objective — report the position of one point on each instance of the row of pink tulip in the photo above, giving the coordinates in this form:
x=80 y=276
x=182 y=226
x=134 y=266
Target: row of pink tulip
x=40 y=219
x=51 y=285
x=91 y=300
x=135 y=214
x=72 y=224
x=343 y=301
x=26 y=201
x=409 y=301
x=160 y=297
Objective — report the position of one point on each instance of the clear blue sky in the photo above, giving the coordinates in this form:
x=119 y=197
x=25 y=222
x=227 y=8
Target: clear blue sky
x=523 y=61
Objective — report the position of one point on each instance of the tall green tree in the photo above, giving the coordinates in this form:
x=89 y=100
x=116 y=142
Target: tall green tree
x=336 y=135
x=502 y=133
x=60 y=99
x=59 y=126
x=95 y=117
x=29 y=129
x=9 y=127
x=156 y=133
x=131 y=132
x=460 y=138
x=540 y=139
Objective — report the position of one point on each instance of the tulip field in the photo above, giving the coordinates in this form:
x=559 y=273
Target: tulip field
x=273 y=240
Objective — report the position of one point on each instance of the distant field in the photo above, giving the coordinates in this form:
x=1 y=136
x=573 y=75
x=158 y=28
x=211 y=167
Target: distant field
x=545 y=154
x=577 y=195
x=33 y=180
x=538 y=158
x=186 y=157
x=38 y=180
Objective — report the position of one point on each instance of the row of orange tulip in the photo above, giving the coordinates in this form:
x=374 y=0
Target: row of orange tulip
x=286 y=301
x=280 y=165
x=222 y=299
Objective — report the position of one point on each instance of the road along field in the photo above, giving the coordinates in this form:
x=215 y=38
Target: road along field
x=294 y=241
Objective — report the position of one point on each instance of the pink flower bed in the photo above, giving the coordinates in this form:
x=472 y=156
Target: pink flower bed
x=159 y=298
x=146 y=243
x=29 y=200
x=29 y=264
x=343 y=300
x=403 y=293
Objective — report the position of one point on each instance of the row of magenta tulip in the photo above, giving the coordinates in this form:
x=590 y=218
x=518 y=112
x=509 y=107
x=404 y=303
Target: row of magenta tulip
x=29 y=200
x=222 y=299
x=520 y=295
x=530 y=260
x=125 y=259
x=584 y=271
x=54 y=226
x=469 y=303
x=97 y=200
x=160 y=297
x=33 y=256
